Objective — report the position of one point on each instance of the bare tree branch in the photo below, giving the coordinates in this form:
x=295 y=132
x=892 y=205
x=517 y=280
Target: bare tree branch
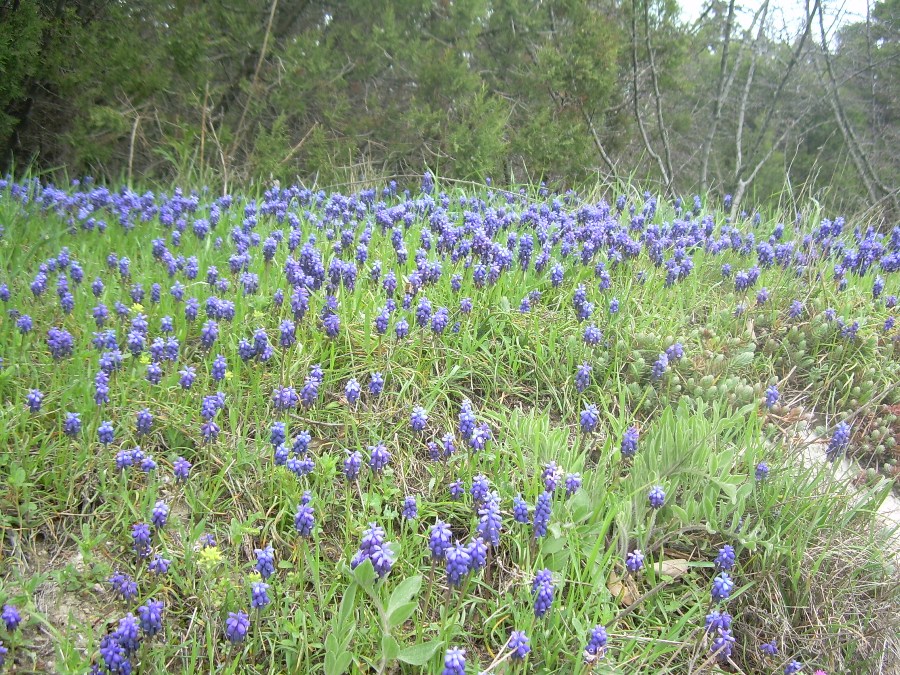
x=742 y=109
x=657 y=97
x=876 y=189
x=597 y=142
x=635 y=93
x=744 y=183
x=262 y=56
x=720 y=99
x=795 y=58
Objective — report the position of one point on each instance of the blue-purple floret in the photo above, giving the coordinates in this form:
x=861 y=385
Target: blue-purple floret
x=723 y=645
x=11 y=617
x=573 y=483
x=123 y=585
x=840 y=439
x=583 y=377
x=237 y=625
x=718 y=620
x=629 y=442
x=518 y=645
x=304 y=520
x=542 y=589
x=458 y=562
x=160 y=515
x=114 y=656
x=352 y=465
x=596 y=644
x=520 y=510
x=490 y=523
x=722 y=587
x=454 y=662
x=410 y=508
x=439 y=540
x=478 y=552
x=265 y=561
x=418 y=419
x=634 y=561
x=659 y=367
x=769 y=648
x=376 y=383
x=373 y=548
x=589 y=419
x=379 y=457
x=259 y=595
x=542 y=510
x=725 y=558
x=150 y=617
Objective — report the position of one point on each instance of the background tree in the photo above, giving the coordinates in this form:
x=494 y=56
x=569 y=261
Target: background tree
x=561 y=90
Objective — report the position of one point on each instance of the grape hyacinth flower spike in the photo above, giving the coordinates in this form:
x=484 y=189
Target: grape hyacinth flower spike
x=596 y=646
x=236 y=626
x=726 y=557
x=634 y=561
x=840 y=439
x=454 y=662
x=722 y=587
x=630 y=442
x=518 y=645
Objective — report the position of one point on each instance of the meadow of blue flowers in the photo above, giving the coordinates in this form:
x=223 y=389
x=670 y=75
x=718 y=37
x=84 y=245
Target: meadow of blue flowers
x=454 y=430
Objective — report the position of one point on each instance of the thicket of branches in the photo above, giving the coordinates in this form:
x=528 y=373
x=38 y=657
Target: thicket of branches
x=561 y=90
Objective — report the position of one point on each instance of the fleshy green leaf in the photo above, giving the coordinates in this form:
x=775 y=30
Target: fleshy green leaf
x=400 y=614
x=390 y=650
x=404 y=593
x=418 y=655
x=365 y=574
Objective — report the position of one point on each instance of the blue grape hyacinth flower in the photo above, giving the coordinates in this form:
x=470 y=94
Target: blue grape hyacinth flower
x=840 y=439
x=630 y=442
x=454 y=662
x=590 y=417
x=518 y=645
x=596 y=645
x=237 y=625
x=634 y=561
x=542 y=511
x=439 y=540
x=722 y=587
x=726 y=557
